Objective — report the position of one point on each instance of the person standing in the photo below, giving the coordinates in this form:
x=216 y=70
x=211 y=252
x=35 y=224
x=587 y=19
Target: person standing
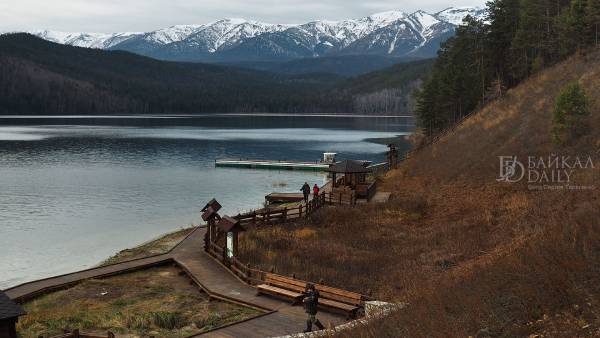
x=305 y=191
x=311 y=302
x=315 y=191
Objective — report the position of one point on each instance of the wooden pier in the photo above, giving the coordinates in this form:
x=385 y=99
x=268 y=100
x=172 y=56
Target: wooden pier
x=273 y=164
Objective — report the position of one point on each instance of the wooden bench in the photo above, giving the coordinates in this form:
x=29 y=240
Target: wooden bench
x=341 y=300
x=282 y=286
x=329 y=298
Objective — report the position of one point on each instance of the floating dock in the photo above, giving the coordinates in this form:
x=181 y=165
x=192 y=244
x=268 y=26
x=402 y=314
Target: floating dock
x=277 y=165
x=284 y=197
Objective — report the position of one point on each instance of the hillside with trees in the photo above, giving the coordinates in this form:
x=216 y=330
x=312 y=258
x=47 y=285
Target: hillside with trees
x=471 y=255
x=519 y=39
x=40 y=77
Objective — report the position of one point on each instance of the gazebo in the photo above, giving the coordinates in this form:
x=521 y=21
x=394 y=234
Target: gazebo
x=354 y=172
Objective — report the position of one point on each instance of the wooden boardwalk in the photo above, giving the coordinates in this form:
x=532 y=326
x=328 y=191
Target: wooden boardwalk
x=280 y=319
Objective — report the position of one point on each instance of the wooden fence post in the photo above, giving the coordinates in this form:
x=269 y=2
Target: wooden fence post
x=300 y=211
x=225 y=258
x=206 y=239
x=111 y=335
x=76 y=333
x=284 y=214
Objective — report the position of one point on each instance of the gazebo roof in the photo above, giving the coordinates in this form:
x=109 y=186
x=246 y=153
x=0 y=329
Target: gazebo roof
x=230 y=224
x=212 y=204
x=8 y=308
x=348 y=167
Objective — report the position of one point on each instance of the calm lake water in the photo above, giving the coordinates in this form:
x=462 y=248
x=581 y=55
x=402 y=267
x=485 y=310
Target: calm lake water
x=73 y=191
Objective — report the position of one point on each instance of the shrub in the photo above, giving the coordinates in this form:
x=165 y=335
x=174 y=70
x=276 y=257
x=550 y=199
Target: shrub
x=569 y=108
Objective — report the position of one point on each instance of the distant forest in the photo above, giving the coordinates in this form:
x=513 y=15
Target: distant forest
x=40 y=77
x=519 y=38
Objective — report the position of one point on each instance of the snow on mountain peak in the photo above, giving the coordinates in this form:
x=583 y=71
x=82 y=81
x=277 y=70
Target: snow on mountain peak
x=387 y=17
x=455 y=15
x=391 y=31
x=235 y=21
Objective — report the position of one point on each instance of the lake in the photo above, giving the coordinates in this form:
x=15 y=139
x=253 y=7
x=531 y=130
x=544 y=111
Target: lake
x=75 y=190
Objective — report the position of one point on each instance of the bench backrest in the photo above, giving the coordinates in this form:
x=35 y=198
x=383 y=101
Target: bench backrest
x=327 y=292
x=339 y=295
x=285 y=282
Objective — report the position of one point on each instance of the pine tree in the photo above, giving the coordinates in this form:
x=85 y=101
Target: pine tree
x=429 y=116
x=592 y=21
x=503 y=16
x=529 y=37
x=576 y=26
x=570 y=108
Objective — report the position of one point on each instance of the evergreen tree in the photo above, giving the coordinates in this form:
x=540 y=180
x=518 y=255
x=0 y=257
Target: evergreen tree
x=592 y=21
x=576 y=26
x=461 y=75
x=503 y=16
x=570 y=107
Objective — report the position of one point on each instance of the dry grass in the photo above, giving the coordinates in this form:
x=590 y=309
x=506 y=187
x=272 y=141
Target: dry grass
x=158 y=246
x=159 y=301
x=473 y=256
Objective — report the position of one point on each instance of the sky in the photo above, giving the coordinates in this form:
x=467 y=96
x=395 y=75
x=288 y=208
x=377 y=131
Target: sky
x=108 y=16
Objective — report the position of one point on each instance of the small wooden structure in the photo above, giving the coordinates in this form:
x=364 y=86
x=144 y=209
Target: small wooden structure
x=9 y=316
x=231 y=227
x=355 y=172
x=210 y=215
x=354 y=179
x=283 y=197
x=392 y=156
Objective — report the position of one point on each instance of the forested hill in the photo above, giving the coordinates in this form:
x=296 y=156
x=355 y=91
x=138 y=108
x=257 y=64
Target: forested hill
x=41 y=77
x=520 y=38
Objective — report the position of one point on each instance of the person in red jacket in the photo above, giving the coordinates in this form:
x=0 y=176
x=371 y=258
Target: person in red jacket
x=316 y=191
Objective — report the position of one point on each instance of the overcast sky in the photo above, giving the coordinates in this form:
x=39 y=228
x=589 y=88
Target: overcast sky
x=144 y=15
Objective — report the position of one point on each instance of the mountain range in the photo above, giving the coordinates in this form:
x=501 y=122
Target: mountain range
x=391 y=34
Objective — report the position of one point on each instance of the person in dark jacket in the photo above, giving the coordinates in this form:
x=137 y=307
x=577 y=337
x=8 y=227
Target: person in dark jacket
x=311 y=302
x=306 y=191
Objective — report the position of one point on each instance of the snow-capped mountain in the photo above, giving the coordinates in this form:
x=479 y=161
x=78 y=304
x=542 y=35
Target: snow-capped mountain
x=88 y=40
x=392 y=33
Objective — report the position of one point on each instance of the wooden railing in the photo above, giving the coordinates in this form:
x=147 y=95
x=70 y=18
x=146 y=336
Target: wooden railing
x=282 y=215
x=371 y=190
x=76 y=334
x=379 y=168
x=440 y=135
x=268 y=217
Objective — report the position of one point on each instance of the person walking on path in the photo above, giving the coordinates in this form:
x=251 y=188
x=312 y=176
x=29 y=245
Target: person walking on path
x=315 y=191
x=311 y=302
x=306 y=191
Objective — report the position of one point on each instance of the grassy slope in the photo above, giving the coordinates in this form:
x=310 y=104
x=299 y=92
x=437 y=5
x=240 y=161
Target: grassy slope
x=473 y=256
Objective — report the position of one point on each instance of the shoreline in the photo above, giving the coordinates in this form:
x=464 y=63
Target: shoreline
x=157 y=246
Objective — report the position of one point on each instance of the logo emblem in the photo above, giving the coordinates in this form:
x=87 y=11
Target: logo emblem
x=511 y=170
